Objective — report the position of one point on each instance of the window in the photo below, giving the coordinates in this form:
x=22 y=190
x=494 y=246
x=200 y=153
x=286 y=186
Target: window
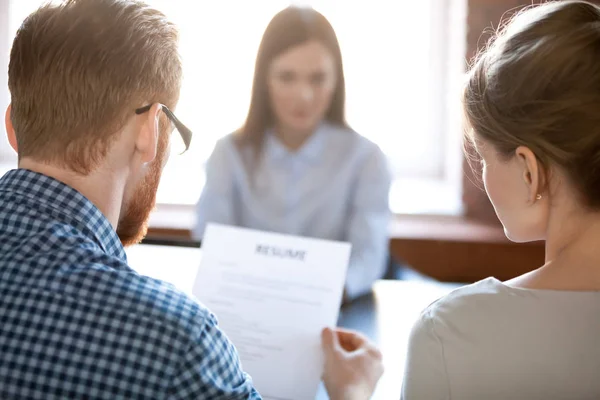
x=402 y=62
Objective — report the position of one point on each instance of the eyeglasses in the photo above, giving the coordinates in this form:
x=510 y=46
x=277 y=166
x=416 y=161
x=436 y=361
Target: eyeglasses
x=184 y=131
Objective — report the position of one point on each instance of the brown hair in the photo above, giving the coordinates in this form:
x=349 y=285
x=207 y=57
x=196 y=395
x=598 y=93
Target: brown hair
x=538 y=85
x=79 y=69
x=290 y=27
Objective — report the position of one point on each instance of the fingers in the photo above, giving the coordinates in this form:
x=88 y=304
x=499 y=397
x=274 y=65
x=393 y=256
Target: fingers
x=329 y=341
x=374 y=352
x=351 y=340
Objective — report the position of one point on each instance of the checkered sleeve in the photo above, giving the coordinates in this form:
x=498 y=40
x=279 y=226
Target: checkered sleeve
x=211 y=369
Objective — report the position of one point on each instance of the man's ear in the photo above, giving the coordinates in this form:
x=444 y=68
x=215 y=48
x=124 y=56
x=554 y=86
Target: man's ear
x=147 y=137
x=10 y=130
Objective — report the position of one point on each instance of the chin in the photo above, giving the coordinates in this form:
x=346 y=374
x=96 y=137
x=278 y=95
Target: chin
x=513 y=237
x=521 y=237
x=132 y=232
x=304 y=125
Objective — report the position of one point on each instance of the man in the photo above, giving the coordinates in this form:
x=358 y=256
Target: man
x=92 y=84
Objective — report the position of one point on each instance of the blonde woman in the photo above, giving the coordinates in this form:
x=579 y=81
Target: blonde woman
x=533 y=105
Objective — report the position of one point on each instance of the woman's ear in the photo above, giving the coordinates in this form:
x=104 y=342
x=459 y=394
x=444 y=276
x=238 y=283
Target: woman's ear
x=532 y=172
x=147 y=138
x=10 y=130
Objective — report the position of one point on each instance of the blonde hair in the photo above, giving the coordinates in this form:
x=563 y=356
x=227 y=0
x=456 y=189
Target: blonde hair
x=80 y=68
x=538 y=85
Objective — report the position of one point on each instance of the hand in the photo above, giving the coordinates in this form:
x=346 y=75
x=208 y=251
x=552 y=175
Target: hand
x=352 y=365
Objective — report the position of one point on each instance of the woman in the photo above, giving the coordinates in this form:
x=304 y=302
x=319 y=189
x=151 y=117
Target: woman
x=533 y=105
x=295 y=166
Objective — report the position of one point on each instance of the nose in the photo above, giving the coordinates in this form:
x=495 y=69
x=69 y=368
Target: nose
x=306 y=93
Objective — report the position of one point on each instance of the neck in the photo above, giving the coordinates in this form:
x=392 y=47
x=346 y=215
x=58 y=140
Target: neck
x=102 y=187
x=293 y=139
x=573 y=229
x=572 y=251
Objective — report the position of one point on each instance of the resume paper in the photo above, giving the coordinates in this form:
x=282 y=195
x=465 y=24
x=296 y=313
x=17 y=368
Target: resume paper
x=272 y=295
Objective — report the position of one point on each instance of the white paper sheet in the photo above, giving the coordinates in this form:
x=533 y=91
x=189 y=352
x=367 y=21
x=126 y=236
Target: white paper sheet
x=272 y=295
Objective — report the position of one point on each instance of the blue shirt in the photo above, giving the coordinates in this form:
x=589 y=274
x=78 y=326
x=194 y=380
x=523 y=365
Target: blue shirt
x=77 y=322
x=335 y=187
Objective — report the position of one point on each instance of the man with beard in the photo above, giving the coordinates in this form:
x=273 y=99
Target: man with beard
x=92 y=84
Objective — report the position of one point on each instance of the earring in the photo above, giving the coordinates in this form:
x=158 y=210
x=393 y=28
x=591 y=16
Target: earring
x=538 y=197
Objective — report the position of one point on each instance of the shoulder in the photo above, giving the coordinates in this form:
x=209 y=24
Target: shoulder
x=157 y=307
x=489 y=289
x=227 y=145
x=355 y=148
x=227 y=156
x=201 y=358
x=170 y=305
x=152 y=299
x=348 y=137
x=466 y=312
x=467 y=307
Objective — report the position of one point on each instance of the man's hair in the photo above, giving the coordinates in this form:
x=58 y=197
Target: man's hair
x=79 y=69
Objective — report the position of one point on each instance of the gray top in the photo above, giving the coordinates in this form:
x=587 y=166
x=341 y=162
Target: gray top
x=492 y=341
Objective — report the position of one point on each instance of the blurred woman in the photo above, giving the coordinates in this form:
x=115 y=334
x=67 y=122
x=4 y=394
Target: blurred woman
x=533 y=105
x=296 y=167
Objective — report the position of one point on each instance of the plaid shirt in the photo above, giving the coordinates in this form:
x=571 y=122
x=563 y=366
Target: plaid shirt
x=77 y=322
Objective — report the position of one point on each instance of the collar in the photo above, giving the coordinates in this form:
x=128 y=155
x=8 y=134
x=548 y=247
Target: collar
x=310 y=152
x=68 y=206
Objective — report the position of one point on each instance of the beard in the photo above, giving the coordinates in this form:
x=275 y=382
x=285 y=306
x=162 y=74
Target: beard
x=133 y=223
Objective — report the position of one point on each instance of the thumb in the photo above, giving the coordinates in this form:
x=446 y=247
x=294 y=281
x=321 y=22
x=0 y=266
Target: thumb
x=330 y=341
